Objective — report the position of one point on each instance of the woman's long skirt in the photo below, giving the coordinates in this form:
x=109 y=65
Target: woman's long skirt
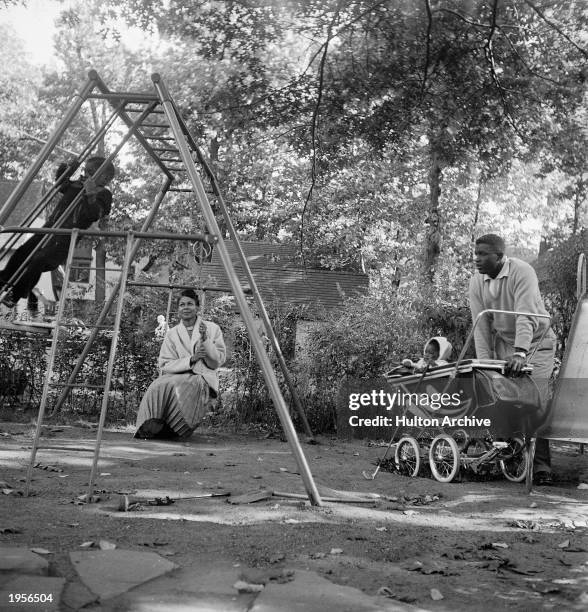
x=180 y=401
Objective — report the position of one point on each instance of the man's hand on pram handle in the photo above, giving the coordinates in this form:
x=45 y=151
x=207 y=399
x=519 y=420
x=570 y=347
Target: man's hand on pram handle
x=514 y=366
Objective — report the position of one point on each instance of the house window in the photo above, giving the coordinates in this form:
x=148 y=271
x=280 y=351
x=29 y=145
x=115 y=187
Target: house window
x=81 y=264
x=80 y=270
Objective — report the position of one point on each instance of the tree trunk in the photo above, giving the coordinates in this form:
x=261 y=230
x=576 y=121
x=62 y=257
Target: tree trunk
x=476 y=218
x=578 y=202
x=213 y=151
x=100 y=292
x=100 y=248
x=433 y=220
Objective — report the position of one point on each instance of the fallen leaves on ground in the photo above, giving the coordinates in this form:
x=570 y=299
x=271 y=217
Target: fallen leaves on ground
x=388 y=592
x=48 y=468
x=428 y=567
x=161 y=501
x=247 y=587
x=318 y=555
x=493 y=545
x=101 y=544
x=521 y=524
x=80 y=500
x=436 y=595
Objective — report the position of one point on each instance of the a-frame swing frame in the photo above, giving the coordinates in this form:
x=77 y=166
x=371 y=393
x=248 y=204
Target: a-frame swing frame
x=154 y=118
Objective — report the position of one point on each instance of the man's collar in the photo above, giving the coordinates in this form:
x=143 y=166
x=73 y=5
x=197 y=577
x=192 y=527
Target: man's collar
x=503 y=271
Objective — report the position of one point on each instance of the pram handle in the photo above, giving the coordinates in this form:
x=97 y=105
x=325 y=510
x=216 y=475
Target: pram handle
x=508 y=312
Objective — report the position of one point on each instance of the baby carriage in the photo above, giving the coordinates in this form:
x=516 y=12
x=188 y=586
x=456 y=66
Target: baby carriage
x=468 y=414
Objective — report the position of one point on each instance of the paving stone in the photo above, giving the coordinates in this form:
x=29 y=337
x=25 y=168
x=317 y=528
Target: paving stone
x=109 y=573
x=205 y=586
x=205 y=576
x=309 y=592
x=77 y=595
x=164 y=602
x=255 y=575
x=22 y=561
x=32 y=585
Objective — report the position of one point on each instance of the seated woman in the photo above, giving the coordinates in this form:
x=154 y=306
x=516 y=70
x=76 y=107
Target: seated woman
x=175 y=403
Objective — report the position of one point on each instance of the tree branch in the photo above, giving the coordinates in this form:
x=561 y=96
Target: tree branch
x=428 y=45
x=340 y=31
x=314 y=132
x=274 y=137
x=320 y=50
x=489 y=53
x=555 y=27
x=526 y=65
x=476 y=24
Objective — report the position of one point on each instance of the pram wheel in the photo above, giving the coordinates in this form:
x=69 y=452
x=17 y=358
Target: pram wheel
x=408 y=457
x=515 y=466
x=444 y=458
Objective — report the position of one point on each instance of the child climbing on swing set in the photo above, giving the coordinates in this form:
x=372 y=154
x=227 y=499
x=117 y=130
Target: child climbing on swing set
x=94 y=204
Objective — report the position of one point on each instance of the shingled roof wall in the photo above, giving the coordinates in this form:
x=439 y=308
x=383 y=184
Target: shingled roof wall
x=280 y=278
x=27 y=203
x=30 y=198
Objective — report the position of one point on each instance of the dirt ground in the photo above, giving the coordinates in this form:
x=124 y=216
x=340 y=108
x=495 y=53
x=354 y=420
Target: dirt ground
x=481 y=544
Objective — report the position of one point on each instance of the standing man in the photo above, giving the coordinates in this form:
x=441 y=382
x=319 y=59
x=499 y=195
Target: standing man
x=506 y=283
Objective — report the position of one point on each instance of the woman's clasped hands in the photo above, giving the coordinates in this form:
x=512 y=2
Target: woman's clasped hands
x=200 y=352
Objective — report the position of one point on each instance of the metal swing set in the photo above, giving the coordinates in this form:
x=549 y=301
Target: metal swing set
x=154 y=121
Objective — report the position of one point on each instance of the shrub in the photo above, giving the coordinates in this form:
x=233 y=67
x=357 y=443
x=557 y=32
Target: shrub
x=22 y=368
x=557 y=272
x=365 y=338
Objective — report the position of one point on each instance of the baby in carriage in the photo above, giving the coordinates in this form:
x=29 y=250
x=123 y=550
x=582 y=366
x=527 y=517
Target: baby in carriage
x=436 y=352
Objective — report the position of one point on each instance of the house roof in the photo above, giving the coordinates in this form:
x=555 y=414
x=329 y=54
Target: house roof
x=27 y=203
x=261 y=254
x=278 y=278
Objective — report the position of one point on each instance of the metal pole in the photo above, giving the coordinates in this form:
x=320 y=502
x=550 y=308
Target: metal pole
x=168 y=307
x=108 y=304
x=264 y=316
x=254 y=289
x=173 y=286
x=27 y=136
x=111 y=358
x=78 y=198
x=54 y=188
x=49 y=373
x=63 y=231
x=126 y=119
x=495 y=311
x=45 y=152
x=79 y=158
x=258 y=347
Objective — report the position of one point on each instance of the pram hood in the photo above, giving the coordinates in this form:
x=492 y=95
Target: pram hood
x=445 y=347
